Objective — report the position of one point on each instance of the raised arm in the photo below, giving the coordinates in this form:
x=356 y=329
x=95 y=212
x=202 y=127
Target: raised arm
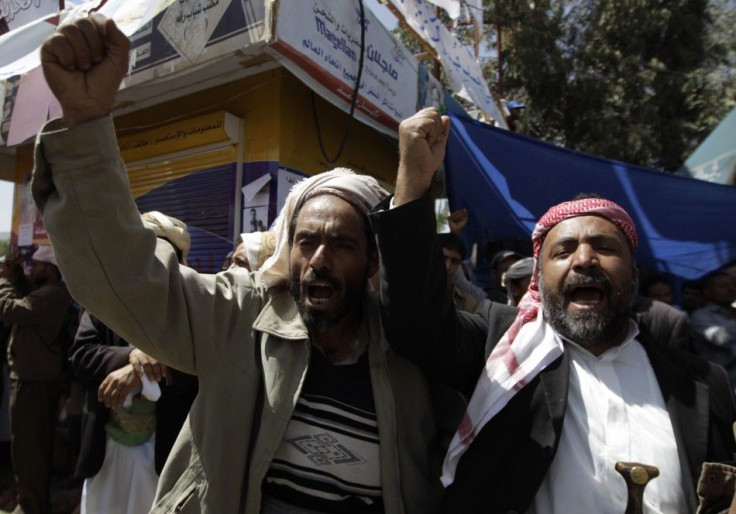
x=420 y=320
x=113 y=265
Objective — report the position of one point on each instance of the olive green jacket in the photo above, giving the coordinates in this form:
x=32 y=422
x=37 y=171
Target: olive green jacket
x=249 y=347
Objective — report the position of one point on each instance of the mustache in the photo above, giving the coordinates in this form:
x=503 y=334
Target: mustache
x=323 y=276
x=579 y=279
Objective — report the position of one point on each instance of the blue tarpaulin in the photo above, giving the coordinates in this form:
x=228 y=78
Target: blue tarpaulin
x=687 y=227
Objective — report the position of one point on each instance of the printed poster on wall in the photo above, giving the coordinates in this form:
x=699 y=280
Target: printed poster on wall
x=28 y=227
x=256 y=197
x=284 y=182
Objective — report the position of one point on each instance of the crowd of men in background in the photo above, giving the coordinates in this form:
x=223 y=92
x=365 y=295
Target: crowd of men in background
x=703 y=317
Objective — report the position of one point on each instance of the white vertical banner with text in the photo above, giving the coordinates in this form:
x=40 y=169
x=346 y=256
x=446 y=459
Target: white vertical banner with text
x=18 y=13
x=463 y=71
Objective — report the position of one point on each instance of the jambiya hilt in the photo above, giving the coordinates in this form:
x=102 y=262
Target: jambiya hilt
x=636 y=476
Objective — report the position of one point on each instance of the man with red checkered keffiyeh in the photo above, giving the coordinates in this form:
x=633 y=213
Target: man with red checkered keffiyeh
x=572 y=386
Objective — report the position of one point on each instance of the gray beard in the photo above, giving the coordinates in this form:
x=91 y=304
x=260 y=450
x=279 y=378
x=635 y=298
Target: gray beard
x=588 y=328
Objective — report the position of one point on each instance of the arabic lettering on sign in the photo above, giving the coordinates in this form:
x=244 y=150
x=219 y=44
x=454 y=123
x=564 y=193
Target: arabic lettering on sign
x=350 y=77
x=342 y=43
x=174 y=135
x=374 y=55
x=9 y=9
x=381 y=80
x=143 y=52
x=325 y=14
x=201 y=129
x=185 y=15
x=316 y=49
x=140 y=143
x=333 y=62
x=337 y=42
x=345 y=31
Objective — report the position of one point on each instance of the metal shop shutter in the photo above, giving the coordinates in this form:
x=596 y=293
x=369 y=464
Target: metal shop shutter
x=205 y=201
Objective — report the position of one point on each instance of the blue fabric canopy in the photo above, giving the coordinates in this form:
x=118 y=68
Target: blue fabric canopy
x=686 y=227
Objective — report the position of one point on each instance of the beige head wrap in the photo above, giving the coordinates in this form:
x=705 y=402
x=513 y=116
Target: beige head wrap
x=361 y=191
x=259 y=246
x=169 y=228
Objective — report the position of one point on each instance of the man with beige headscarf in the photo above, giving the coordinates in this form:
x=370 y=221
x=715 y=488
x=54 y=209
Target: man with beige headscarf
x=302 y=407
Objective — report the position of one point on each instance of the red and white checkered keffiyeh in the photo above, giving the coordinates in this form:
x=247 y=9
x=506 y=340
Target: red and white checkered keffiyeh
x=525 y=349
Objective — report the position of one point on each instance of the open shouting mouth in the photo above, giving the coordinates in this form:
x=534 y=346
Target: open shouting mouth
x=319 y=292
x=587 y=293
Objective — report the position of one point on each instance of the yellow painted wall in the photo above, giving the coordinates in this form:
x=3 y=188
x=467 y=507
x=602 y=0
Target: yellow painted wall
x=254 y=99
x=279 y=125
x=366 y=150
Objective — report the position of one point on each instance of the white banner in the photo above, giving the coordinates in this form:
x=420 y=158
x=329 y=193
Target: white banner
x=451 y=6
x=464 y=72
x=2 y=106
x=22 y=65
x=321 y=39
x=17 y=43
x=130 y=15
x=21 y=12
x=21 y=47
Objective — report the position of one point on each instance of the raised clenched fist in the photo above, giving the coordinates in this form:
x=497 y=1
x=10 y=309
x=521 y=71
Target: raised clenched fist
x=422 y=140
x=84 y=63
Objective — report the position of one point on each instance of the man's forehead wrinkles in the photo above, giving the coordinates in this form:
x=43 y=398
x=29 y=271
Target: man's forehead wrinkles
x=597 y=237
x=331 y=235
x=585 y=226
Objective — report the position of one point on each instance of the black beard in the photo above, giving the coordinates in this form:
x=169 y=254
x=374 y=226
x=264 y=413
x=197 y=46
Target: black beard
x=321 y=321
x=588 y=328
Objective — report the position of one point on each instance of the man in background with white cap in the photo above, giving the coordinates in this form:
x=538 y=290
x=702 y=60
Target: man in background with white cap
x=35 y=362
x=127 y=436
x=516 y=280
x=500 y=263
